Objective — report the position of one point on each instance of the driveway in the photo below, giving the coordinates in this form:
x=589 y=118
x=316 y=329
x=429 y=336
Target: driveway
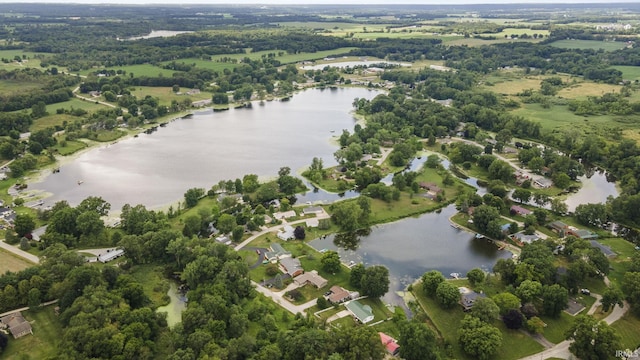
x=278 y=299
x=276 y=228
x=21 y=253
x=260 y=252
x=561 y=350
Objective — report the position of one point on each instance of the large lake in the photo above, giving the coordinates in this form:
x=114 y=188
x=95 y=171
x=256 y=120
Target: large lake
x=198 y=151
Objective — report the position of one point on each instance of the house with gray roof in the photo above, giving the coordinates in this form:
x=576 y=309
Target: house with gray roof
x=291 y=266
x=17 y=325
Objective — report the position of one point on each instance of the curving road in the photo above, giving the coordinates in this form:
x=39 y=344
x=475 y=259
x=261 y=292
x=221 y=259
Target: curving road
x=561 y=350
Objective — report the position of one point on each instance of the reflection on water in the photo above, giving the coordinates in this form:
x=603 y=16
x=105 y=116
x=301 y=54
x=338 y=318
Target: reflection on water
x=595 y=189
x=413 y=246
x=207 y=147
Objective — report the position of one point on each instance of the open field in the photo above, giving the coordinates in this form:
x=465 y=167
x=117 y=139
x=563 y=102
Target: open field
x=42 y=344
x=559 y=117
x=631 y=73
x=166 y=95
x=137 y=70
x=589 y=44
x=479 y=42
x=11 y=87
x=13 y=263
x=153 y=282
x=584 y=89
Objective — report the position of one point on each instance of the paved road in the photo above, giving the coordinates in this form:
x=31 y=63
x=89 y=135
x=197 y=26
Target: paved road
x=561 y=350
x=275 y=228
x=16 y=251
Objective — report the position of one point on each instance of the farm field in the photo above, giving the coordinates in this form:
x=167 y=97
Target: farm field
x=588 y=44
x=10 y=262
x=584 y=89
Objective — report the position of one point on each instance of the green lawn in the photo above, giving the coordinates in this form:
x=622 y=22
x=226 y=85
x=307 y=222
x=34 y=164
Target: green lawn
x=589 y=44
x=619 y=264
x=556 y=328
x=138 y=70
x=70 y=147
x=165 y=94
x=42 y=344
x=629 y=330
x=12 y=87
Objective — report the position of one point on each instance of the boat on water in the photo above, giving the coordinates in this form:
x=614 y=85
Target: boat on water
x=80 y=182
x=455 y=275
x=479 y=236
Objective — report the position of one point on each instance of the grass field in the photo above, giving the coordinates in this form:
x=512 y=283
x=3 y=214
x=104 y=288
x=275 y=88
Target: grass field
x=138 y=70
x=559 y=117
x=42 y=344
x=11 y=87
x=589 y=44
x=621 y=263
x=70 y=147
x=166 y=95
x=153 y=282
x=584 y=89
x=10 y=262
x=631 y=73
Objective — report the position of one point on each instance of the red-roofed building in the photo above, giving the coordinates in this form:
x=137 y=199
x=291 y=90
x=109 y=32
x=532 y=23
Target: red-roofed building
x=389 y=343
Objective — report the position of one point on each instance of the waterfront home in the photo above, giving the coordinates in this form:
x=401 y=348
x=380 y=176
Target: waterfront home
x=468 y=298
x=389 y=343
x=362 y=313
x=338 y=295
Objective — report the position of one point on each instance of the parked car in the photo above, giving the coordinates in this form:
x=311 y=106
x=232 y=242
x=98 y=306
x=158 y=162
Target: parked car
x=585 y=291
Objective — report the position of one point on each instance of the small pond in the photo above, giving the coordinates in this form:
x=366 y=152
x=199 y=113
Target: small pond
x=346 y=64
x=175 y=307
x=595 y=189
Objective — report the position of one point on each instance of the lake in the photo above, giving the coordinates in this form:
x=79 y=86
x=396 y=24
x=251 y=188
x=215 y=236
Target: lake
x=157 y=33
x=413 y=246
x=595 y=189
x=200 y=150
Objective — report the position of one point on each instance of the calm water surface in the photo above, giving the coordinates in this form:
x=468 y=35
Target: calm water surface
x=200 y=150
x=595 y=189
x=413 y=246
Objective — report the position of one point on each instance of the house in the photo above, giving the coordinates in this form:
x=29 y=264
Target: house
x=362 y=313
x=605 y=249
x=286 y=233
x=276 y=252
x=468 y=297
x=222 y=239
x=37 y=233
x=291 y=266
x=284 y=215
x=582 y=234
x=506 y=228
x=338 y=295
x=431 y=187
x=312 y=223
x=201 y=103
x=559 y=227
x=310 y=210
x=519 y=210
x=110 y=255
x=524 y=239
x=542 y=182
x=389 y=343
x=312 y=278
x=17 y=325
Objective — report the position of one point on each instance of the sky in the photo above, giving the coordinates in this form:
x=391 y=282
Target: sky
x=303 y=2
